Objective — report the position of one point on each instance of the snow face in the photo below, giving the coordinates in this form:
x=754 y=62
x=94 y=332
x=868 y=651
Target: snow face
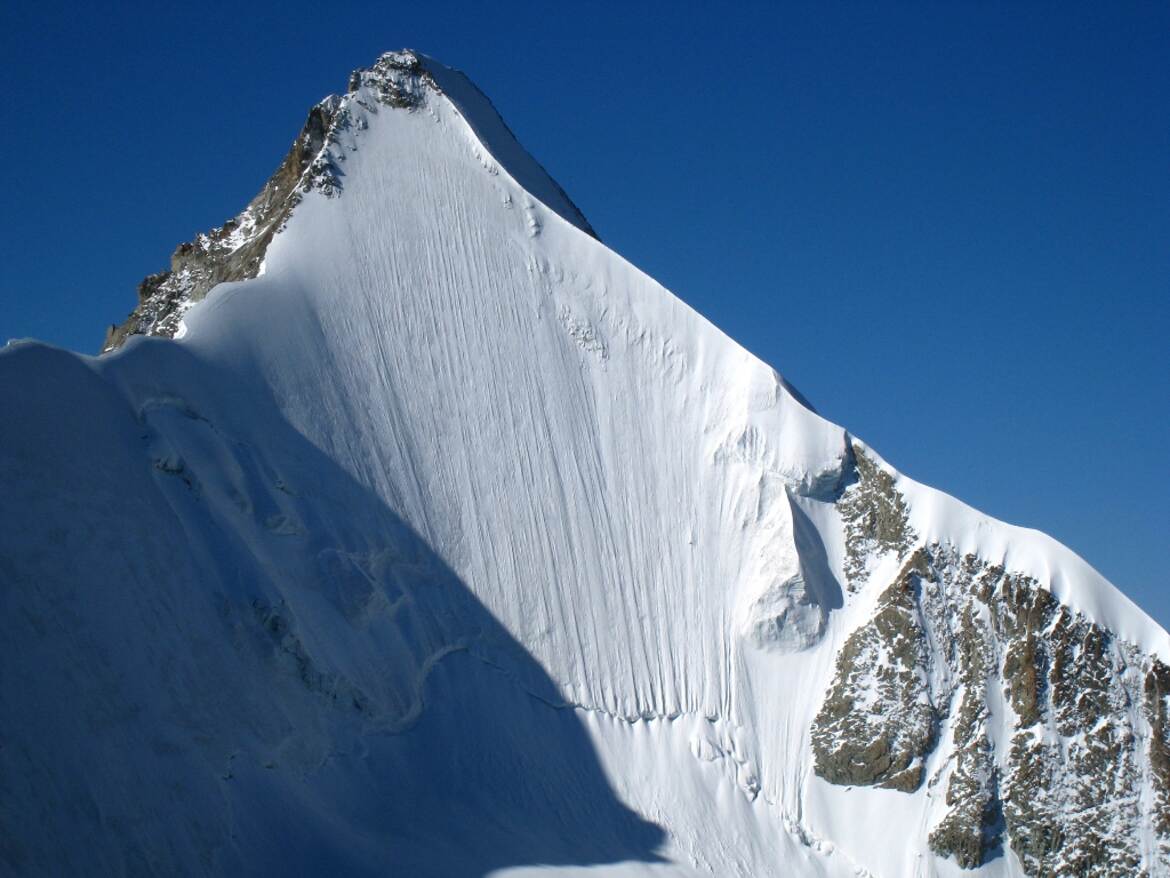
x=452 y=544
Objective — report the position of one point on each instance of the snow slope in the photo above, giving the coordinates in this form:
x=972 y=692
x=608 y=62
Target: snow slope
x=452 y=544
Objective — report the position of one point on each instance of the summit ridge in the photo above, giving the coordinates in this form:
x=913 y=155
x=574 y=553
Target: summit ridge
x=235 y=251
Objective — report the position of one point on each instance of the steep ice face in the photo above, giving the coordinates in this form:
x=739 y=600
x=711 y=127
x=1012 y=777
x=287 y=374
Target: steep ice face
x=450 y=543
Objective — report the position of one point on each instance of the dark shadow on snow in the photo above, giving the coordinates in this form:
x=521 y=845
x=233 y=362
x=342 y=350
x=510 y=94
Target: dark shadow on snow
x=435 y=746
x=819 y=579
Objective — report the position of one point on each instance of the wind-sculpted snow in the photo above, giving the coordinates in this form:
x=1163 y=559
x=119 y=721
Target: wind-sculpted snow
x=443 y=541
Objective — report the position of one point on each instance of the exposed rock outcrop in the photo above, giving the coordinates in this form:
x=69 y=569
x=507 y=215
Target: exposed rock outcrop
x=235 y=251
x=875 y=517
x=1061 y=776
x=878 y=719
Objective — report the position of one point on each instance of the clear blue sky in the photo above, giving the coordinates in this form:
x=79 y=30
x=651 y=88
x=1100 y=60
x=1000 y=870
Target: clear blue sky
x=948 y=225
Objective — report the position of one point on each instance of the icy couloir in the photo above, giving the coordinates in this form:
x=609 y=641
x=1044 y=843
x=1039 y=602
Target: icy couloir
x=442 y=541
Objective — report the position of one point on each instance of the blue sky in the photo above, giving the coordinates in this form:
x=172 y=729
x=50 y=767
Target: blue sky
x=947 y=224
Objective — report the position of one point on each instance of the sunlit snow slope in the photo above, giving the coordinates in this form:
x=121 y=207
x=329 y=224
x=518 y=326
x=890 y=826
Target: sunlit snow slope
x=452 y=544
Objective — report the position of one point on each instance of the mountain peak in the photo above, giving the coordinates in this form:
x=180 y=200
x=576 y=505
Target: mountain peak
x=396 y=79
x=402 y=80
x=451 y=542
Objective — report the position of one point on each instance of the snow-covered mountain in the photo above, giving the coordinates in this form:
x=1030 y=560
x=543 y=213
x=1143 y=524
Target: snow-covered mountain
x=441 y=541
